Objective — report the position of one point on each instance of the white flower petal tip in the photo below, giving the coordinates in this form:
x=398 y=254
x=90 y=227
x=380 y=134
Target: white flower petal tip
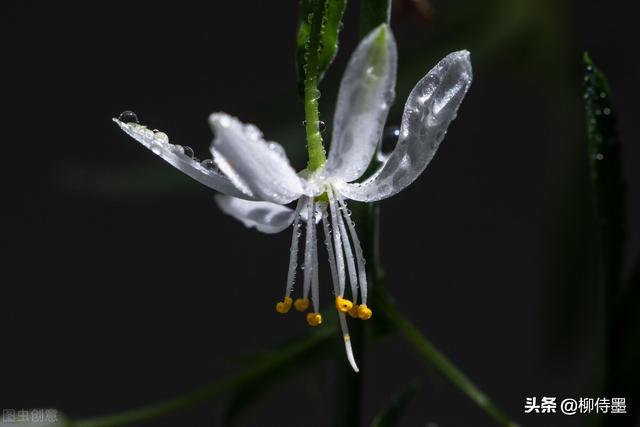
x=255 y=166
x=430 y=108
x=180 y=157
x=365 y=96
x=264 y=216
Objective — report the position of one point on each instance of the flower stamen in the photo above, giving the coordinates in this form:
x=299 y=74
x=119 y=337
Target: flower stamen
x=364 y=312
x=347 y=341
x=301 y=304
x=337 y=240
x=284 y=306
x=362 y=272
x=343 y=305
x=314 y=319
x=353 y=274
x=353 y=311
x=308 y=250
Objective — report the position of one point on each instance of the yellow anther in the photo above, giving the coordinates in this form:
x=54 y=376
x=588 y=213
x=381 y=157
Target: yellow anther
x=314 y=319
x=343 y=305
x=353 y=311
x=284 y=306
x=364 y=312
x=301 y=304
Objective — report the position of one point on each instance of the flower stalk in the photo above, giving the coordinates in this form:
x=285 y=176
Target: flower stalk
x=317 y=155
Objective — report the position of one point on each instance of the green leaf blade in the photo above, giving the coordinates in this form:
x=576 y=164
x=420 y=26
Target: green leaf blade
x=392 y=412
x=606 y=175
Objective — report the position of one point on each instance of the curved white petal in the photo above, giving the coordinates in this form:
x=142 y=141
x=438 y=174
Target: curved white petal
x=366 y=93
x=252 y=164
x=204 y=172
x=264 y=216
x=431 y=106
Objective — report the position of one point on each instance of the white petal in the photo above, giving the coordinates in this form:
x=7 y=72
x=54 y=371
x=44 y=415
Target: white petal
x=431 y=106
x=366 y=93
x=264 y=216
x=251 y=163
x=204 y=172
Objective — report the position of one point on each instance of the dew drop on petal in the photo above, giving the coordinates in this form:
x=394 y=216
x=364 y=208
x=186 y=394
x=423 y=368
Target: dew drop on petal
x=322 y=126
x=208 y=164
x=188 y=151
x=389 y=139
x=161 y=137
x=128 y=116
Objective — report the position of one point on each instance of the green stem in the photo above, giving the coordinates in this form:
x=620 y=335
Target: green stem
x=438 y=360
x=317 y=155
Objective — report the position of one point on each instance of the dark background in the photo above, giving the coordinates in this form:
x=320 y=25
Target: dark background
x=123 y=284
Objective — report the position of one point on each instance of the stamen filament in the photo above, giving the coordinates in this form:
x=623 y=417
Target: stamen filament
x=330 y=252
x=315 y=280
x=293 y=251
x=337 y=240
x=347 y=341
x=308 y=255
x=353 y=275
x=362 y=272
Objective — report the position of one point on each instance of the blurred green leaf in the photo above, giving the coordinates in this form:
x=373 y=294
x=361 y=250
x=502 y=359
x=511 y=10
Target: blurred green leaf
x=626 y=338
x=319 y=25
x=276 y=365
x=430 y=354
x=390 y=415
x=270 y=365
x=606 y=175
x=621 y=304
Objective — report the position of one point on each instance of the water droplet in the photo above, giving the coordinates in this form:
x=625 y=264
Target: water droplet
x=603 y=95
x=128 y=116
x=253 y=132
x=208 y=164
x=607 y=111
x=188 y=151
x=599 y=156
x=161 y=137
x=389 y=139
x=322 y=126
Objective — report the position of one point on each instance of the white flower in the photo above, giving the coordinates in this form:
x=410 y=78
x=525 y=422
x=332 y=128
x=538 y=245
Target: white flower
x=257 y=181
